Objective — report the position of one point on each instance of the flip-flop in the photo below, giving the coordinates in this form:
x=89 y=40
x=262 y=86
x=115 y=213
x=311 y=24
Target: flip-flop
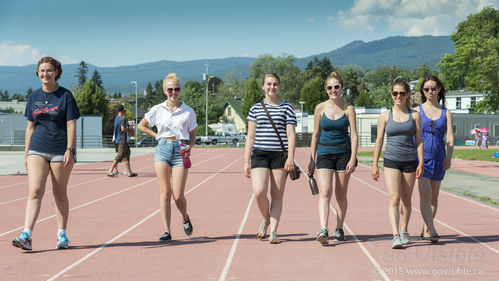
x=112 y=175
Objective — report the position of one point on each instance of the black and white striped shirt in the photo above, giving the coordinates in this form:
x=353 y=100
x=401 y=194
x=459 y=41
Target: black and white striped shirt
x=266 y=138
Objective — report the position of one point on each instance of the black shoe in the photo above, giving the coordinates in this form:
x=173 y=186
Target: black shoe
x=322 y=236
x=166 y=236
x=188 y=226
x=339 y=235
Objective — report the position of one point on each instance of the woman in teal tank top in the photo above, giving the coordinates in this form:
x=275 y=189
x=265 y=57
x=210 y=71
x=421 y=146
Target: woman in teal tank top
x=334 y=153
x=401 y=167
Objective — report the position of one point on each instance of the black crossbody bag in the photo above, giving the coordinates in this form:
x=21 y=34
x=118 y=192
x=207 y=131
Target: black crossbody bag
x=295 y=173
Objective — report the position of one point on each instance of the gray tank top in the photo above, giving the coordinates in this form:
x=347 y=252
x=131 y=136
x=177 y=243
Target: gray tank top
x=400 y=144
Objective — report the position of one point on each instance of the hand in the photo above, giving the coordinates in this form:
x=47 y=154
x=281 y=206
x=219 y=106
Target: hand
x=375 y=173
x=247 y=170
x=68 y=158
x=289 y=165
x=447 y=164
x=26 y=161
x=187 y=150
x=350 y=167
x=311 y=167
x=419 y=171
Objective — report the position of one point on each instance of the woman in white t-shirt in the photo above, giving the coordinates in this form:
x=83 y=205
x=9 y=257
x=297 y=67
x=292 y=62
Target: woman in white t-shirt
x=176 y=123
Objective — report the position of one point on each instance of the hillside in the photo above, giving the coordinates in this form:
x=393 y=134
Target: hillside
x=406 y=52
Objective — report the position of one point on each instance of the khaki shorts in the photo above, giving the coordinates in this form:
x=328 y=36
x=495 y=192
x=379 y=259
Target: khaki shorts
x=123 y=153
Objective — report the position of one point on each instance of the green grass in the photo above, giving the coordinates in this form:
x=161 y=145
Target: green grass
x=462 y=154
x=467 y=194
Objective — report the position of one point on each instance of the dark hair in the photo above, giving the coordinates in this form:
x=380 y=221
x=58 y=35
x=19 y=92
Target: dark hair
x=335 y=75
x=407 y=89
x=273 y=75
x=55 y=63
x=441 y=94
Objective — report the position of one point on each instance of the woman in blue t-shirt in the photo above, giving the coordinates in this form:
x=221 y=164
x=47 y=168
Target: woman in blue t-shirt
x=50 y=147
x=334 y=154
x=264 y=159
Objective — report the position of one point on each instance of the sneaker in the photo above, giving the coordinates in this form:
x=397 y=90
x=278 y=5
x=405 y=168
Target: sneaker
x=322 y=236
x=339 y=235
x=404 y=237
x=22 y=241
x=166 y=236
x=396 y=243
x=130 y=175
x=188 y=227
x=62 y=242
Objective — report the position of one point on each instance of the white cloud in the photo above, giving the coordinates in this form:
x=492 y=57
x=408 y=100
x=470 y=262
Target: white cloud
x=412 y=18
x=12 y=54
x=312 y=19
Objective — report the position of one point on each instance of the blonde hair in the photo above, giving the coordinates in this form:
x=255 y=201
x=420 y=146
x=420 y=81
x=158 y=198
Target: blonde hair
x=171 y=77
x=407 y=89
x=334 y=75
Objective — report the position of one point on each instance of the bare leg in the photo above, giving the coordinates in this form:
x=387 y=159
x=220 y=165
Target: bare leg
x=425 y=199
x=277 y=186
x=340 y=192
x=407 y=186
x=392 y=179
x=325 y=185
x=259 y=182
x=38 y=169
x=179 y=177
x=165 y=188
x=60 y=177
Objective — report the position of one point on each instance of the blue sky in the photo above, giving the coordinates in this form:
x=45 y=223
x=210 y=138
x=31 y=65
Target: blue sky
x=114 y=33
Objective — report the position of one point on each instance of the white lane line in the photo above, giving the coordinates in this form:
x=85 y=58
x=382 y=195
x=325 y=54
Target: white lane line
x=228 y=262
x=462 y=197
x=99 y=199
x=379 y=269
x=437 y=220
x=10 y=185
x=133 y=227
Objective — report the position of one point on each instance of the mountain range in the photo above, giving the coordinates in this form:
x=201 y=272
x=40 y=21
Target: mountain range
x=405 y=52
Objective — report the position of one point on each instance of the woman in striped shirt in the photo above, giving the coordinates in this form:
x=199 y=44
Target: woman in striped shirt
x=264 y=158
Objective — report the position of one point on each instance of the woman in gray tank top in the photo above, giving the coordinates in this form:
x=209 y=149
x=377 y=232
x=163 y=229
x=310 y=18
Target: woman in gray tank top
x=401 y=167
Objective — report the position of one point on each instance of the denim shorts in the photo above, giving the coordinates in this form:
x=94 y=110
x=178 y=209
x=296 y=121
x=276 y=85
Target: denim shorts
x=47 y=156
x=168 y=151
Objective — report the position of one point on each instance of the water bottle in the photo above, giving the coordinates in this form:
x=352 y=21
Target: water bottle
x=313 y=184
x=185 y=158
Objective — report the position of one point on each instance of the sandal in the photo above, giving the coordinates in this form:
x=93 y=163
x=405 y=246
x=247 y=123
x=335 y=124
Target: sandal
x=112 y=175
x=433 y=238
x=273 y=238
x=263 y=230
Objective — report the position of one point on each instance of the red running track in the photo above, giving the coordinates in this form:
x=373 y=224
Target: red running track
x=115 y=223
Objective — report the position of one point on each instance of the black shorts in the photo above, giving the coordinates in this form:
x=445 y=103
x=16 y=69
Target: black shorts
x=403 y=166
x=267 y=159
x=123 y=152
x=336 y=162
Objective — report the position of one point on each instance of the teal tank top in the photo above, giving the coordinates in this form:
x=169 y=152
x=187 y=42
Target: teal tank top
x=333 y=131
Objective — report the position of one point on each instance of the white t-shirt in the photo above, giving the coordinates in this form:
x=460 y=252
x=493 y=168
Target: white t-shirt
x=177 y=124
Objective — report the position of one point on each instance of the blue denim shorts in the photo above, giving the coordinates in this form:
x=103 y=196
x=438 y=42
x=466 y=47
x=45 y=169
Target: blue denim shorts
x=168 y=151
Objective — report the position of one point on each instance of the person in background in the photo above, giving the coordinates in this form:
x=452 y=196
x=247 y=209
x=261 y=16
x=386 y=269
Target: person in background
x=176 y=124
x=121 y=131
x=264 y=160
x=485 y=139
x=49 y=149
x=334 y=150
x=437 y=137
x=403 y=148
x=478 y=138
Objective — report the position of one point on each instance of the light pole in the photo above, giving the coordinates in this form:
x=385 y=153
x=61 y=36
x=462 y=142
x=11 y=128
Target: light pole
x=207 y=79
x=135 y=82
x=301 y=109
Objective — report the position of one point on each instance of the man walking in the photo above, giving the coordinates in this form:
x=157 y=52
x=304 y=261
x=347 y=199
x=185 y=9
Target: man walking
x=121 y=132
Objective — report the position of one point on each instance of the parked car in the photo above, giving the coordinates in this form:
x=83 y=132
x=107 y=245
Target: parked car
x=241 y=137
x=147 y=141
x=220 y=137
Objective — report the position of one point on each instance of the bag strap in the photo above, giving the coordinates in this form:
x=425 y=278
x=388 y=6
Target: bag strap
x=273 y=125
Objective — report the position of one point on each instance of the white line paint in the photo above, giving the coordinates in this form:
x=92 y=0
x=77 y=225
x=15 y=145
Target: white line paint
x=131 y=228
x=228 y=262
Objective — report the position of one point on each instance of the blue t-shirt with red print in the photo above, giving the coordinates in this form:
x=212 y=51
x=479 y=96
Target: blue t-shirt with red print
x=50 y=113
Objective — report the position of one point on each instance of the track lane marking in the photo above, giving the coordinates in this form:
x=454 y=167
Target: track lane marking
x=60 y=273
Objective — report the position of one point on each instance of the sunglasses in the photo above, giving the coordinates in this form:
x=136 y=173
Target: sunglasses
x=336 y=87
x=170 y=90
x=400 y=94
x=428 y=89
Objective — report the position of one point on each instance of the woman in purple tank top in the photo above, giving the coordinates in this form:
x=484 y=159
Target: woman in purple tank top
x=437 y=136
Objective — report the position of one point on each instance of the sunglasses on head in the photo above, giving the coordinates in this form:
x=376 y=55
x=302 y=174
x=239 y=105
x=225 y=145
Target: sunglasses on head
x=400 y=94
x=433 y=89
x=170 y=90
x=331 y=87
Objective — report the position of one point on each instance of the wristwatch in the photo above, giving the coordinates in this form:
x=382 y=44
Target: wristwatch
x=71 y=149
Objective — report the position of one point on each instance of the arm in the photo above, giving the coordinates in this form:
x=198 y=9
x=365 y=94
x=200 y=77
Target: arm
x=250 y=141
x=379 y=144
x=419 y=144
x=144 y=127
x=29 y=133
x=291 y=134
x=71 y=129
x=354 y=139
x=315 y=138
x=130 y=131
x=449 y=137
x=192 y=141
